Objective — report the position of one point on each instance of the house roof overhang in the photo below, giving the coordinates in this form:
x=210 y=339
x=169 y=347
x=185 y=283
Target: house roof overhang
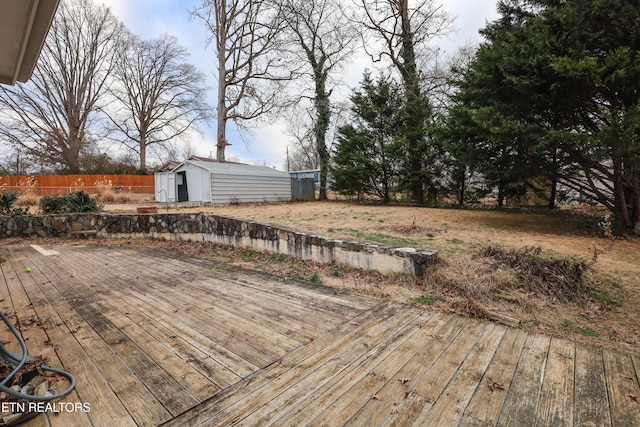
x=24 y=25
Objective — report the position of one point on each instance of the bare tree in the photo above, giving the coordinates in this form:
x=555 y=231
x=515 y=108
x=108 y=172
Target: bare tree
x=16 y=162
x=318 y=41
x=403 y=29
x=301 y=153
x=160 y=96
x=53 y=115
x=243 y=34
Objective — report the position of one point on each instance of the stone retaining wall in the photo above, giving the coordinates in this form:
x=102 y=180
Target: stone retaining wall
x=224 y=230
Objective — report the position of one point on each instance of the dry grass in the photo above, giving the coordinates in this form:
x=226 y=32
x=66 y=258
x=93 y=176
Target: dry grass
x=27 y=194
x=106 y=192
x=472 y=280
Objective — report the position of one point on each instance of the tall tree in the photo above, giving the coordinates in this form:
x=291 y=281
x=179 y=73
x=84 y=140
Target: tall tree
x=160 y=96
x=367 y=156
x=243 y=33
x=317 y=40
x=565 y=76
x=55 y=113
x=319 y=35
x=403 y=29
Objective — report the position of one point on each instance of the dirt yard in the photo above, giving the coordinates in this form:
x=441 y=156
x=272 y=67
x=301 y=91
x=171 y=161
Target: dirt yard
x=604 y=313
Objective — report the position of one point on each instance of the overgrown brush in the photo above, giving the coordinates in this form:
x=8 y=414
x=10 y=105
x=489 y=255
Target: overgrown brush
x=477 y=284
x=561 y=278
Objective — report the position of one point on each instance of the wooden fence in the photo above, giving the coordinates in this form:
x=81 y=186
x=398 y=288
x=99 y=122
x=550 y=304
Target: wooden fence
x=43 y=185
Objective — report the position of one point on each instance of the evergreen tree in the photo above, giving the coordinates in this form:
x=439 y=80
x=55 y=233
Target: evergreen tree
x=557 y=84
x=368 y=154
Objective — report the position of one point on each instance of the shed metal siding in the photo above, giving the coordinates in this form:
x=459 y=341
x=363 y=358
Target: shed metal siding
x=165 y=183
x=231 y=188
x=216 y=182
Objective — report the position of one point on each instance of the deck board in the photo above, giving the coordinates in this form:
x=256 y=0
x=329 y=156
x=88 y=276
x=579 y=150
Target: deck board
x=431 y=381
x=391 y=379
x=449 y=408
x=591 y=401
x=555 y=407
x=40 y=343
x=140 y=403
x=359 y=382
x=622 y=384
x=158 y=338
x=486 y=403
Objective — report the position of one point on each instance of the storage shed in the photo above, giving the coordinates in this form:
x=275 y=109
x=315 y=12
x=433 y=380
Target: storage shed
x=209 y=181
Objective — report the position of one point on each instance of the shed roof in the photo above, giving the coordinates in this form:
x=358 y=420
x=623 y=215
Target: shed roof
x=234 y=168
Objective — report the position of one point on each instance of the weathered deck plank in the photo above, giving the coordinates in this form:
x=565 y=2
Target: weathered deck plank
x=168 y=392
x=39 y=342
x=622 y=386
x=360 y=382
x=156 y=338
x=186 y=363
x=448 y=409
x=92 y=387
x=488 y=399
x=432 y=381
x=351 y=409
x=522 y=397
x=286 y=369
x=591 y=401
x=262 y=306
x=555 y=407
x=302 y=291
x=372 y=345
x=130 y=390
x=193 y=383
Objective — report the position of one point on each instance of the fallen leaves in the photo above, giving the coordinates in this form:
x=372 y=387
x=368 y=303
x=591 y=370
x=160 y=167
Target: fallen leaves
x=633 y=397
x=493 y=385
x=626 y=377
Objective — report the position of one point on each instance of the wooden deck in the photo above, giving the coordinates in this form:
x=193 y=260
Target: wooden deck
x=158 y=338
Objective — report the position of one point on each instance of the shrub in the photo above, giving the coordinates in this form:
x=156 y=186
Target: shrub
x=6 y=205
x=77 y=202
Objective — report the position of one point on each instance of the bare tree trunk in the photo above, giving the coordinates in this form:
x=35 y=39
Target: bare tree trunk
x=243 y=33
x=221 y=108
x=143 y=153
x=221 y=104
x=322 y=124
x=319 y=38
x=402 y=29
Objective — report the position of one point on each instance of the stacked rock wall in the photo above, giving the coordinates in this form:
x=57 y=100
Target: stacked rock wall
x=223 y=230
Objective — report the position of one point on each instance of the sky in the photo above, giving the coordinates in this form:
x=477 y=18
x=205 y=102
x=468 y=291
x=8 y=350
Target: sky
x=267 y=144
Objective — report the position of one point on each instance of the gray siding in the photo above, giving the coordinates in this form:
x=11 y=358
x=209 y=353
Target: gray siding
x=231 y=188
x=215 y=182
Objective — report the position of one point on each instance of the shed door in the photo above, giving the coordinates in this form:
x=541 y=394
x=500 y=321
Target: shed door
x=183 y=194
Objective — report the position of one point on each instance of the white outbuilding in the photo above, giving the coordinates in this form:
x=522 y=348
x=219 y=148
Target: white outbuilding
x=208 y=181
